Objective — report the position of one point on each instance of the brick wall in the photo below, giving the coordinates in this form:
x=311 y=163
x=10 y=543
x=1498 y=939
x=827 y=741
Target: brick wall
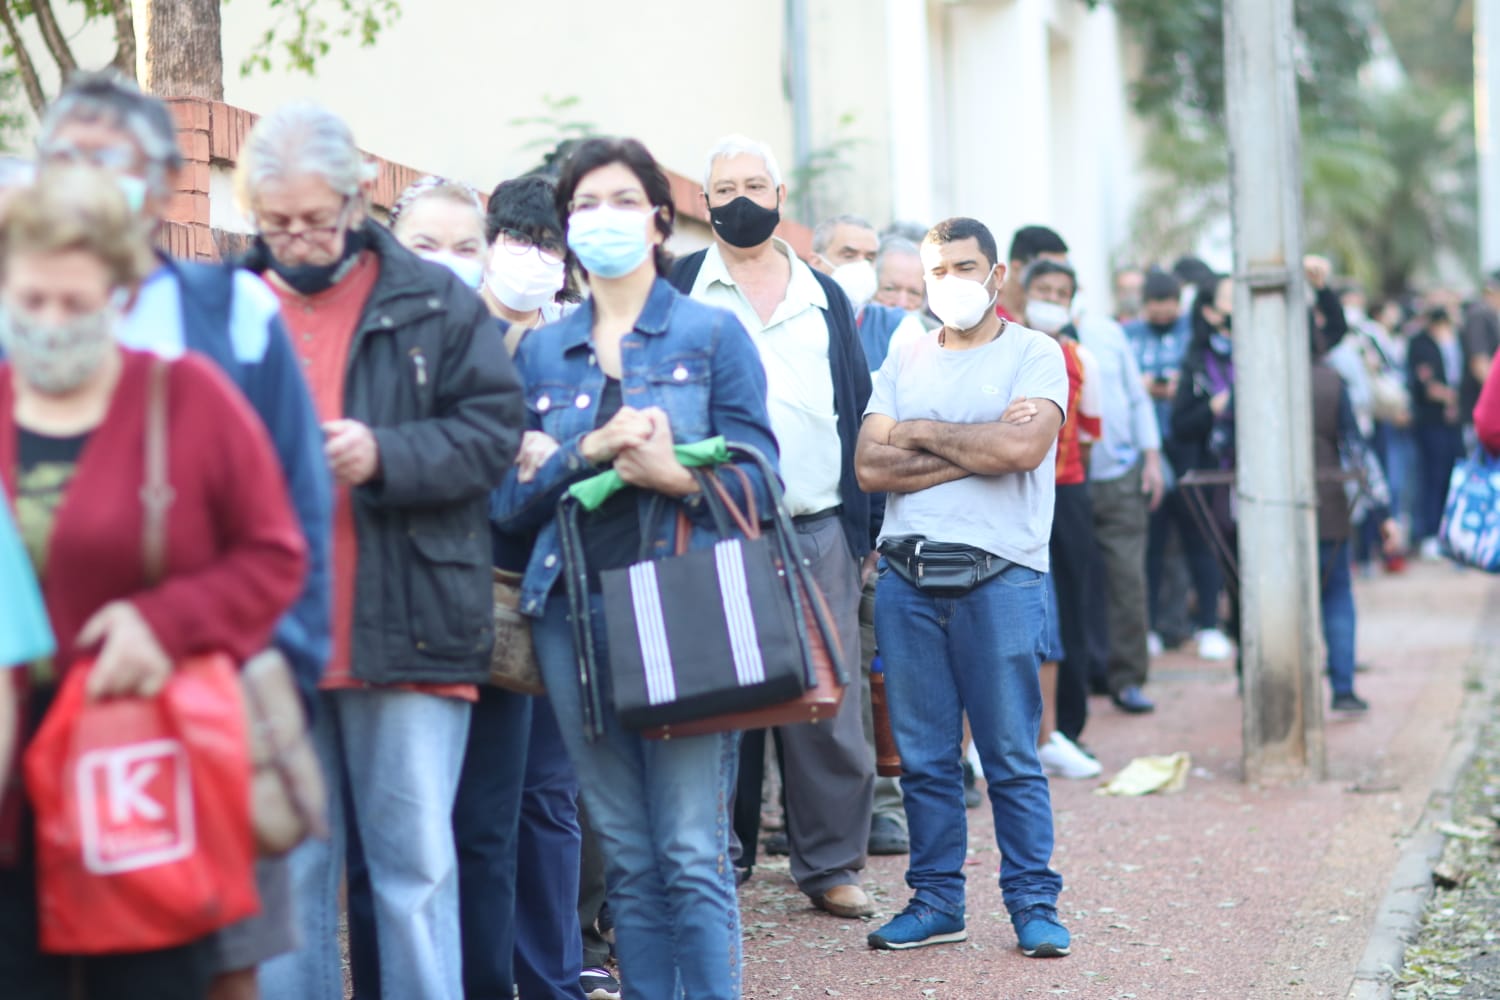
x=212 y=133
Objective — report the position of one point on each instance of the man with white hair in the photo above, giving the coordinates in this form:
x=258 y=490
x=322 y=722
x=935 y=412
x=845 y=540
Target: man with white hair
x=421 y=413
x=818 y=383
x=847 y=249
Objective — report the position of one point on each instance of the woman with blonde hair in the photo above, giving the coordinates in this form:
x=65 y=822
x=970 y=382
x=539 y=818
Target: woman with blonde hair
x=72 y=464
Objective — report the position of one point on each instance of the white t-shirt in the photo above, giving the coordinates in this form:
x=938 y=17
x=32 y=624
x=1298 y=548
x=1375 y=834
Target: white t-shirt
x=1009 y=515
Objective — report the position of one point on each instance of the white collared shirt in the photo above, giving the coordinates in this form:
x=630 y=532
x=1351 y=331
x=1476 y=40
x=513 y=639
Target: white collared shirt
x=794 y=350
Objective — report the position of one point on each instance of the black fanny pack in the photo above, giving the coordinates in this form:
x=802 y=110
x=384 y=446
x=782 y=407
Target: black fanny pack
x=941 y=567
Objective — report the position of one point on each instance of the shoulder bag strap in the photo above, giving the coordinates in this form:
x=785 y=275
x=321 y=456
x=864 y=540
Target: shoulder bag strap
x=157 y=494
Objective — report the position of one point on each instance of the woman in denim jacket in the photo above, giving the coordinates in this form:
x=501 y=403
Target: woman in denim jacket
x=636 y=370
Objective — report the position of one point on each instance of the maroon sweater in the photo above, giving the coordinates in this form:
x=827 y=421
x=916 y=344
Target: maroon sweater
x=1487 y=412
x=235 y=556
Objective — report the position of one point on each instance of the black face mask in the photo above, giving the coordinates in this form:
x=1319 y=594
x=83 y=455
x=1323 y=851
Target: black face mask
x=744 y=224
x=1228 y=325
x=310 y=279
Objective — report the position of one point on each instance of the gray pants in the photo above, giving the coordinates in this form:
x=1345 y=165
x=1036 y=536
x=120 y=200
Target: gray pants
x=887 y=790
x=1121 y=513
x=830 y=770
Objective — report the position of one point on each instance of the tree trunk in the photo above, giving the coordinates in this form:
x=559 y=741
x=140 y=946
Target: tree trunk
x=184 y=54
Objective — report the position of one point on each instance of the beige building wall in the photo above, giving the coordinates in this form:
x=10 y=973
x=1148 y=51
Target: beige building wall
x=443 y=88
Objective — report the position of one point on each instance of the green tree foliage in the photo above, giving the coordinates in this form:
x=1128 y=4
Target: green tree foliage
x=1388 y=172
x=302 y=33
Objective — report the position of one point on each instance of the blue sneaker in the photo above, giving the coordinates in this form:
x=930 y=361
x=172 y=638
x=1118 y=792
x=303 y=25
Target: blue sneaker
x=917 y=926
x=1040 y=934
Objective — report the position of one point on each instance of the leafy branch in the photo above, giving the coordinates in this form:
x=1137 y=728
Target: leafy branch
x=302 y=35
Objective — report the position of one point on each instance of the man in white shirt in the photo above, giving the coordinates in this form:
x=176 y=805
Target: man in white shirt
x=818 y=383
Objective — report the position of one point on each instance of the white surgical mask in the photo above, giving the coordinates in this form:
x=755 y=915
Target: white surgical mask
x=857 y=279
x=1048 y=317
x=523 y=281
x=960 y=303
x=469 y=270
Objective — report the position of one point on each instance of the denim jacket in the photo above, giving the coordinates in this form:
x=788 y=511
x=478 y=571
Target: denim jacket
x=694 y=361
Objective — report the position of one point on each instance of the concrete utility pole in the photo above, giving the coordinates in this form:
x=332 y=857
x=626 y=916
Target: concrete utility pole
x=1281 y=630
x=1487 y=126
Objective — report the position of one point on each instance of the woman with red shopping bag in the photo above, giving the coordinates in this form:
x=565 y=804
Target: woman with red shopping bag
x=83 y=425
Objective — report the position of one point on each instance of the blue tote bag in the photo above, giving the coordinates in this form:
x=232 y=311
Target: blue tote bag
x=25 y=633
x=1470 y=532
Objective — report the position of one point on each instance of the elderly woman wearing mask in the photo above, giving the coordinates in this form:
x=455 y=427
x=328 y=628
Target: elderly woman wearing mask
x=73 y=410
x=421 y=413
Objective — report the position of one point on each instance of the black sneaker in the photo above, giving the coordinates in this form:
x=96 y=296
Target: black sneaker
x=972 y=798
x=599 y=984
x=777 y=844
x=1350 y=704
x=887 y=837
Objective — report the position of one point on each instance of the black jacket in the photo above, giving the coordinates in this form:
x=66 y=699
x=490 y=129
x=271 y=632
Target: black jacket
x=851 y=392
x=1424 y=354
x=428 y=373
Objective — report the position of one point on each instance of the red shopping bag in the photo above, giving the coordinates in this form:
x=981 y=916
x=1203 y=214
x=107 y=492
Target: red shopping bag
x=143 y=837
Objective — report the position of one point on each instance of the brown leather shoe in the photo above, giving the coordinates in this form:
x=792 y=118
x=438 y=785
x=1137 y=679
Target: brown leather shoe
x=848 y=901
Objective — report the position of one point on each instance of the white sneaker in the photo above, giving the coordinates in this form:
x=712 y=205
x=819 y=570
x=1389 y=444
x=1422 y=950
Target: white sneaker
x=1214 y=645
x=1061 y=758
x=1431 y=551
x=1154 y=645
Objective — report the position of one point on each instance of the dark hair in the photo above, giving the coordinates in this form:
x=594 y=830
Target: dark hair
x=1030 y=242
x=1437 y=314
x=1041 y=268
x=527 y=205
x=1192 y=270
x=1207 y=291
x=962 y=228
x=591 y=154
x=1161 y=286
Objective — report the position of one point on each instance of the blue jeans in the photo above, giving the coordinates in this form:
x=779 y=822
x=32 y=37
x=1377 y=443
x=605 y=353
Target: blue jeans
x=400 y=753
x=977 y=653
x=549 y=940
x=1338 y=614
x=661 y=809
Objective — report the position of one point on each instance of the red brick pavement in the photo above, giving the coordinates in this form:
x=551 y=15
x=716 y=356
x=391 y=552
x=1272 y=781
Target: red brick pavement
x=1222 y=890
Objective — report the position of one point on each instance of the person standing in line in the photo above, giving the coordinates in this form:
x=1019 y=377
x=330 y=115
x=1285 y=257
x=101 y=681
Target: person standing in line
x=1121 y=495
x=898 y=271
x=846 y=249
x=1174 y=543
x=74 y=418
x=632 y=372
x=527 y=283
x=970 y=504
x=1130 y=289
x=1126 y=486
x=515 y=819
x=842 y=248
x=1480 y=337
x=803 y=325
x=1435 y=368
x=1050 y=288
x=422 y=415
x=228 y=315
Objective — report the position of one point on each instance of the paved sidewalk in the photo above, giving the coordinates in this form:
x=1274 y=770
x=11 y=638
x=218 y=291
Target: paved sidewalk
x=1222 y=890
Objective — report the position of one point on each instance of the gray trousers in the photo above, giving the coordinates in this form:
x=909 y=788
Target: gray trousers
x=887 y=790
x=1121 y=513
x=829 y=769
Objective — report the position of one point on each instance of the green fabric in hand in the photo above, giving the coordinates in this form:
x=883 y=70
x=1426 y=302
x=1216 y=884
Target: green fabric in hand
x=592 y=492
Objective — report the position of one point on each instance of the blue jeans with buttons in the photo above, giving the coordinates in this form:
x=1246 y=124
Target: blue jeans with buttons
x=662 y=812
x=977 y=653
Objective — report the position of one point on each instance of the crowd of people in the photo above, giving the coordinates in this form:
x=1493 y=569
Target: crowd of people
x=1009 y=502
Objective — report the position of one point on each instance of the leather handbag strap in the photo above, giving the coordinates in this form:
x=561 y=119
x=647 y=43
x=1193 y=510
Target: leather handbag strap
x=157 y=494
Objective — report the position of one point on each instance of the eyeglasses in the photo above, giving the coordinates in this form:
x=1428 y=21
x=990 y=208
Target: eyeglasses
x=629 y=201
x=312 y=235
x=518 y=243
x=117 y=159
